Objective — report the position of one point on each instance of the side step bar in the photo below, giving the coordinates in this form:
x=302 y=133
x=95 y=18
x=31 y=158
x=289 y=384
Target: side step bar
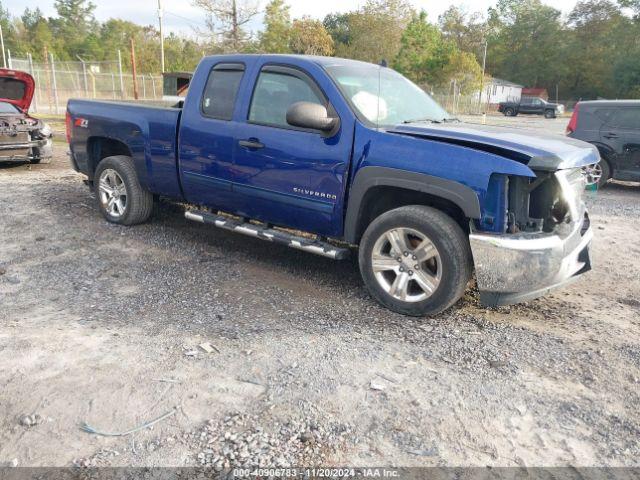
x=269 y=234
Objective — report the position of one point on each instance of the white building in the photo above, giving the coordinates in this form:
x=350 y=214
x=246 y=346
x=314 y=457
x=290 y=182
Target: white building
x=498 y=90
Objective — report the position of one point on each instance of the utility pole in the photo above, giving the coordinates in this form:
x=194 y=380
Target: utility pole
x=133 y=70
x=84 y=75
x=47 y=76
x=161 y=36
x=4 y=57
x=120 y=73
x=53 y=81
x=484 y=69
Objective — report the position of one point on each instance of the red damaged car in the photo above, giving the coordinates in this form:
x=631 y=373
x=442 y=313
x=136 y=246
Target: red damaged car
x=22 y=137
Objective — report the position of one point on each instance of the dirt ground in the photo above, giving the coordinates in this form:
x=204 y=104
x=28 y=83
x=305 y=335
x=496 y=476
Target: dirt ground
x=102 y=324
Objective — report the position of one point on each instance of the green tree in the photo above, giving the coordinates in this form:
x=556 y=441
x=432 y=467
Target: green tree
x=467 y=31
x=9 y=30
x=375 y=31
x=464 y=69
x=309 y=37
x=182 y=54
x=422 y=54
x=277 y=28
x=600 y=37
x=526 y=42
x=337 y=24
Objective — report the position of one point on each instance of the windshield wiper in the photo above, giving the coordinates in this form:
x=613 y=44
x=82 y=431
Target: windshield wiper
x=451 y=120
x=421 y=120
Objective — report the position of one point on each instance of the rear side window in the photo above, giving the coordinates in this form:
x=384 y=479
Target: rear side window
x=220 y=94
x=604 y=114
x=626 y=118
x=275 y=92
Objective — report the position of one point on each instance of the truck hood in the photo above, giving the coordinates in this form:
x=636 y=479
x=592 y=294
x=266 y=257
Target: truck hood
x=16 y=88
x=537 y=151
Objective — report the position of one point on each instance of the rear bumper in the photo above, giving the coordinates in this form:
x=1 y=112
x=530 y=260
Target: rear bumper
x=516 y=268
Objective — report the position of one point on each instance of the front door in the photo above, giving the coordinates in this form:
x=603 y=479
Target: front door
x=285 y=175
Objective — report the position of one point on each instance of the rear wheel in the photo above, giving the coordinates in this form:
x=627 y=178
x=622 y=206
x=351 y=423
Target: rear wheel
x=415 y=260
x=510 y=112
x=121 y=198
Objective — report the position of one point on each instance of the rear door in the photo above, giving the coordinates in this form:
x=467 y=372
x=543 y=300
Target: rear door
x=526 y=105
x=622 y=133
x=286 y=175
x=207 y=134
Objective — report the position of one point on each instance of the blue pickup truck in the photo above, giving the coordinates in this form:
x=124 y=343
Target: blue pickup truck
x=323 y=154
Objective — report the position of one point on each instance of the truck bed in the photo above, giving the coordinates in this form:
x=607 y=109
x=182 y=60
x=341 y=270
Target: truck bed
x=149 y=132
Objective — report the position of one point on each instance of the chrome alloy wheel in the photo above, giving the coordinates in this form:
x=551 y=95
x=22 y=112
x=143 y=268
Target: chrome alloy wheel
x=406 y=265
x=592 y=173
x=113 y=193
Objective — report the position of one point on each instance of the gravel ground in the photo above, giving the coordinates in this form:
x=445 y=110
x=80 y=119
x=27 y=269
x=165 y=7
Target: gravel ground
x=263 y=355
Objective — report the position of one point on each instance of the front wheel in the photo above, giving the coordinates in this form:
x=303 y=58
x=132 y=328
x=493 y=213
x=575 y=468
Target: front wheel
x=121 y=198
x=415 y=260
x=549 y=114
x=597 y=174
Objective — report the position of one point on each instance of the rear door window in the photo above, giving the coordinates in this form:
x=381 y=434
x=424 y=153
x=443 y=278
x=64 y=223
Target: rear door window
x=604 y=114
x=220 y=94
x=628 y=118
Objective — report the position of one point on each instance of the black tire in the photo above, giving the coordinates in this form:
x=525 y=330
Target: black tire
x=510 y=112
x=35 y=161
x=606 y=173
x=451 y=243
x=549 y=114
x=139 y=202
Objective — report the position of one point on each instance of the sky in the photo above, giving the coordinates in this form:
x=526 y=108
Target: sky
x=181 y=17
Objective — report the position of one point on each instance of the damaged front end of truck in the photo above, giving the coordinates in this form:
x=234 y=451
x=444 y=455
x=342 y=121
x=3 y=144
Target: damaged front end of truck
x=534 y=233
x=546 y=240
x=546 y=233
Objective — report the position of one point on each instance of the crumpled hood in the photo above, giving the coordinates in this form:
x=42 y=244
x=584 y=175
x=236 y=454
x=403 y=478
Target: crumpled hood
x=536 y=150
x=17 y=88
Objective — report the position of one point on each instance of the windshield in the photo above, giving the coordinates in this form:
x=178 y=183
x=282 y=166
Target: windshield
x=8 y=108
x=383 y=97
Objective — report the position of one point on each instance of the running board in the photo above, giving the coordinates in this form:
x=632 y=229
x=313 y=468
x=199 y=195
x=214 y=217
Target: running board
x=269 y=234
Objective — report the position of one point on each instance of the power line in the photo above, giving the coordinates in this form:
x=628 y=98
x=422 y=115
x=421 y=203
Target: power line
x=188 y=20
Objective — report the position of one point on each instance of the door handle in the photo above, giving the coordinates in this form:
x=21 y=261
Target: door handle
x=251 y=144
x=610 y=135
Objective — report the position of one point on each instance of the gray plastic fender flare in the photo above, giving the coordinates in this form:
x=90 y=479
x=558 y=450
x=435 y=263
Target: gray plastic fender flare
x=368 y=177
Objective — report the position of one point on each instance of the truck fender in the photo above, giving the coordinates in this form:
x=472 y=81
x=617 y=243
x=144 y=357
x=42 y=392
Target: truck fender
x=368 y=177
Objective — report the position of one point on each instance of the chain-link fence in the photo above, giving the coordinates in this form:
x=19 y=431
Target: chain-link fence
x=57 y=82
x=458 y=103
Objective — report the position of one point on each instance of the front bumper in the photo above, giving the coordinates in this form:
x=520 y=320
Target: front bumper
x=516 y=268
x=26 y=151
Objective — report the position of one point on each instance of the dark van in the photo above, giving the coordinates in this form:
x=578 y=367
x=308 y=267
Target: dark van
x=613 y=127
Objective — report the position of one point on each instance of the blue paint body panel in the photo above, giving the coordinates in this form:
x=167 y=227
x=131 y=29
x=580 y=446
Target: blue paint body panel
x=301 y=179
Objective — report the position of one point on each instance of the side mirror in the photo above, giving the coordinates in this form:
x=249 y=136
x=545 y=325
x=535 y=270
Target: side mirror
x=311 y=115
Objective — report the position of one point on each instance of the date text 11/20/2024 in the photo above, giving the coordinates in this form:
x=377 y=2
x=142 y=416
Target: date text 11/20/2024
x=317 y=472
